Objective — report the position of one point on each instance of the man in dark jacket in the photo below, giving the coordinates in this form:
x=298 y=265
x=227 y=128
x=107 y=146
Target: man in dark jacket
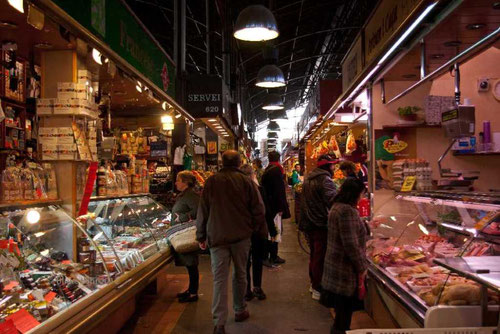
x=273 y=182
x=230 y=210
x=318 y=192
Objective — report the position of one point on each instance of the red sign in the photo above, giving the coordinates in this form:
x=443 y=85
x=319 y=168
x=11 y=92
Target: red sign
x=89 y=188
x=23 y=320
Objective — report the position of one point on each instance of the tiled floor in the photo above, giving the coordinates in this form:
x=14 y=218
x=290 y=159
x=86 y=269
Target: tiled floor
x=288 y=308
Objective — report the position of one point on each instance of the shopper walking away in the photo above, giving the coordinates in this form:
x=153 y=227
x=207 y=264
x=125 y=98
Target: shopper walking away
x=185 y=210
x=345 y=261
x=273 y=182
x=318 y=192
x=296 y=175
x=257 y=250
x=230 y=210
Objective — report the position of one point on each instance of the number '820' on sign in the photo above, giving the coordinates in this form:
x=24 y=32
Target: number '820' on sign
x=212 y=110
x=204 y=96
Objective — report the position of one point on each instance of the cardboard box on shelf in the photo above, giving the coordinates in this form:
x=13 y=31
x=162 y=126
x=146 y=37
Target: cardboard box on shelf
x=65 y=136
x=62 y=107
x=84 y=77
x=67 y=151
x=44 y=106
x=49 y=152
x=66 y=90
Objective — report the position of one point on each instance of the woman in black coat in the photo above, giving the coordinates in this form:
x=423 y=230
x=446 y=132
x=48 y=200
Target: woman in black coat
x=184 y=210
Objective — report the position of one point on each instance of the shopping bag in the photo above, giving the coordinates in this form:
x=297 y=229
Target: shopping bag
x=182 y=237
x=278 y=223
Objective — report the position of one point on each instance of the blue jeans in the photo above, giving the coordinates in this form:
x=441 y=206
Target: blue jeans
x=221 y=259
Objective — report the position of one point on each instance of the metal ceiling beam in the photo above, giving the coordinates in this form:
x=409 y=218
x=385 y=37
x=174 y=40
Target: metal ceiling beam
x=300 y=37
x=146 y=2
x=295 y=61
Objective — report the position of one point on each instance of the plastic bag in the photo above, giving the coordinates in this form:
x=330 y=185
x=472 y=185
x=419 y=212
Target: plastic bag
x=351 y=144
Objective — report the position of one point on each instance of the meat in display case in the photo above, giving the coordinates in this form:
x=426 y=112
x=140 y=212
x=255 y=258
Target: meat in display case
x=40 y=273
x=415 y=233
x=130 y=228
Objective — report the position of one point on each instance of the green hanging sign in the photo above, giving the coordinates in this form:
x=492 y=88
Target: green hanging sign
x=113 y=22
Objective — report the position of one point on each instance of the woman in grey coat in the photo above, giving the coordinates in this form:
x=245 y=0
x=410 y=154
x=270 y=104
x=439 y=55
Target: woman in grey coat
x=184 y=210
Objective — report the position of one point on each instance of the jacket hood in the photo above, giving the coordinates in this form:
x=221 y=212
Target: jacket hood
x=318 y=172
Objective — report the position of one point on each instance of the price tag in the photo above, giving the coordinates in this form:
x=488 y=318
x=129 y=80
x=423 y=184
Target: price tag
x=7 y=327
x=408 y=183
x=23 y=320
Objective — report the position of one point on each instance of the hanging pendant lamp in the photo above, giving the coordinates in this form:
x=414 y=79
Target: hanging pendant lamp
x=277 y=115
x=273 y=126
x=273 y=102
x=255 y=23
x=270 y=76
x=272 y=135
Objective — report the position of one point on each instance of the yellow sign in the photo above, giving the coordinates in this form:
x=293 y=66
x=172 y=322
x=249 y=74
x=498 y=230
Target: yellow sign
x=408 y=183
x=212 y=147
x=388 y=18
x=392 y=146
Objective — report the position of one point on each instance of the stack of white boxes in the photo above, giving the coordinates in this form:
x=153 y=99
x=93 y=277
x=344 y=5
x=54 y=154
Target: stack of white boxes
x=72 y=98
x=57 y=143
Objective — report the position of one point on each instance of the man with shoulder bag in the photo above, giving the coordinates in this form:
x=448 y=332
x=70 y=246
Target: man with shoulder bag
x=230 y=211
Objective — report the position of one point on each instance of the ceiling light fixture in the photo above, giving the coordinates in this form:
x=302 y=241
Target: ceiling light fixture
x=168 y=126
x=273 y=102
x=475 y=26
x=97 y=56
x=451 y=44
x=178 y=115
x=17 y=4
x=139 y=87
x=270 y=76
x=8 y=25
x=277 y=115
x=43 y=46
x=437 y=56
x=167 y=119
x=33 y=216
x=255 y=23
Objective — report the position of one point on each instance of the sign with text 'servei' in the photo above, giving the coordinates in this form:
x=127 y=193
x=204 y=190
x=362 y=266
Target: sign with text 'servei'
x=204 y=96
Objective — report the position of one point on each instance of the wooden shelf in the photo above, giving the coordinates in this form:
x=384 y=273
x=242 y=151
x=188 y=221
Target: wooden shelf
x=13 y=127
x=409 y=126
x=476 y=153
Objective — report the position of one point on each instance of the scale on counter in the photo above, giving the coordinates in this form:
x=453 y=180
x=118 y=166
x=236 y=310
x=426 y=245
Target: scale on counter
x=458 y=122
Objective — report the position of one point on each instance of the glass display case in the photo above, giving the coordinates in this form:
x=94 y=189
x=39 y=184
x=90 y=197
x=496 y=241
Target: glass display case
x=53 y=264
x=130 y=228
x=41 y=274
x=417 y=232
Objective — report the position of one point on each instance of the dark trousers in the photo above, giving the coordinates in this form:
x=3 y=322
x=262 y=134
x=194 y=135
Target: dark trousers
x=317 y=246
x=271 y=250
x=257 y=251
x=344 y=308
x=194 y=279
